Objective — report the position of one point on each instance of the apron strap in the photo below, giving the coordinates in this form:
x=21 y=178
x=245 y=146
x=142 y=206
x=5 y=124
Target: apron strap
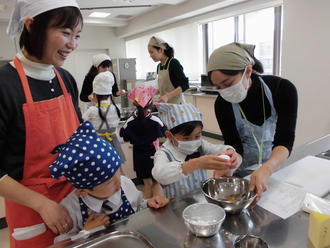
x=105 y=122
x=22 y=76
x=64 y=89
x=169 y=155
x=269 y=96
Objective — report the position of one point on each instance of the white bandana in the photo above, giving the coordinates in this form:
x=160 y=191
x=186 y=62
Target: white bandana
x=99 y=58
x=32 y=8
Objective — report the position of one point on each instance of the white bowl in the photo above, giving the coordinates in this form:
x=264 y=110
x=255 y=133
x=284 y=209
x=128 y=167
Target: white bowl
x=204 y=219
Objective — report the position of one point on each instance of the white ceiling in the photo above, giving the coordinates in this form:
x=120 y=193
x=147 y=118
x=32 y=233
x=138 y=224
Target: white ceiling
x=121 y=11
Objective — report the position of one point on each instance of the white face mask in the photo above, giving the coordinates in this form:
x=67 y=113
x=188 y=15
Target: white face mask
x=189 y=147
x=237 y=92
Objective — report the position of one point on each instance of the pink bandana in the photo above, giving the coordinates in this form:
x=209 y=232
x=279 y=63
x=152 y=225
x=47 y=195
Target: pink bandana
x=142 y=95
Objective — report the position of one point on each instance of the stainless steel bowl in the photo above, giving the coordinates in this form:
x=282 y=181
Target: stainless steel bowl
x=203 y=219
x=250 y=241
x=231 y=193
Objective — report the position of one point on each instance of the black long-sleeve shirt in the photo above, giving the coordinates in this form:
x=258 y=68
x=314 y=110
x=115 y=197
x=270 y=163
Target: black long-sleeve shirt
x=87 y=87
x=285 y=100
x=12 y=126
x=177 y=76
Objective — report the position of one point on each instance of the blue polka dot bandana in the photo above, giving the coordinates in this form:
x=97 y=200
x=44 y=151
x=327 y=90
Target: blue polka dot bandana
x=85 y=159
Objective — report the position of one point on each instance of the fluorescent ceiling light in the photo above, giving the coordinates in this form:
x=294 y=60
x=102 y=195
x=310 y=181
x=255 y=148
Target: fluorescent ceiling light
x=99 y=14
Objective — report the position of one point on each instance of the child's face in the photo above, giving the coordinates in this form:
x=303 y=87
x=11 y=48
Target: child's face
x=195 y=135
x=103 y=69
x=106 y=189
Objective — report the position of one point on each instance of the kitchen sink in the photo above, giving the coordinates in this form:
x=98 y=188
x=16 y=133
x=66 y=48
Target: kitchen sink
x=117 y=239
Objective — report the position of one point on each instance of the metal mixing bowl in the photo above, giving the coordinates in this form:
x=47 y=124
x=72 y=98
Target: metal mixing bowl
x=231 y=193
x=203 y=219
x=250 y=241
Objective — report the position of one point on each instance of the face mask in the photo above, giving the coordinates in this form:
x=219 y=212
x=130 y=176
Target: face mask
x=237 y=92
x=189 y=147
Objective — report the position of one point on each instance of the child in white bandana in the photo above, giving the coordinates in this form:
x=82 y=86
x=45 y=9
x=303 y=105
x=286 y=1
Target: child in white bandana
x=104 y=115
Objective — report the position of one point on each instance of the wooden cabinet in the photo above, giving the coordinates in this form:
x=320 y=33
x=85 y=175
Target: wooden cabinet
x=206 y=106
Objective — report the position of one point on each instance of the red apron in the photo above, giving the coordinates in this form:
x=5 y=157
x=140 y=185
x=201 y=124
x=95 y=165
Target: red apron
x=47 y=124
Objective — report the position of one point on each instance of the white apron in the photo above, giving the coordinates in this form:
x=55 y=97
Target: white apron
x=165 y=85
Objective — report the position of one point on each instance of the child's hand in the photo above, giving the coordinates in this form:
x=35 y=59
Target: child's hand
x=94 y=221
x=213 y=162
x=157 y=202
x=207 y=162
x=92 y=98
x=163 y=99
x=121 y=92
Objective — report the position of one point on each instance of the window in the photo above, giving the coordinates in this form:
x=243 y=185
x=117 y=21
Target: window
x=260 y=28
x=220 y=33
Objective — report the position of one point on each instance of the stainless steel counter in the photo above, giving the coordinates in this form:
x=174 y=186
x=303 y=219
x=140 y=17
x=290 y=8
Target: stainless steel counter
x=200 y=93
x=165 y=228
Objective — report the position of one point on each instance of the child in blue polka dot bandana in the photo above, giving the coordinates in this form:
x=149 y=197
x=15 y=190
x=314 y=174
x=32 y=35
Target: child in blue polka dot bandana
x=101 y=195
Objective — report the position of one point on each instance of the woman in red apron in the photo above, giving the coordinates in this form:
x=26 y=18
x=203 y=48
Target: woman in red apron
x=39 y=110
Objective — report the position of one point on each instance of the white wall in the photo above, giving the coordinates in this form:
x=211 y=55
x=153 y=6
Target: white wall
x=306 y=62
x=94 y=37
x=7 y=47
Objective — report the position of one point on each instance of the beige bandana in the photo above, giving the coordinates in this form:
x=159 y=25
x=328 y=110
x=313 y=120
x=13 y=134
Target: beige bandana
x=157 y=42
x=231 y=57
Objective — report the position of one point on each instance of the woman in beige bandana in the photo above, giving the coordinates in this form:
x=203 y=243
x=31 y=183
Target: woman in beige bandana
x=171 y=78
x=256 y=113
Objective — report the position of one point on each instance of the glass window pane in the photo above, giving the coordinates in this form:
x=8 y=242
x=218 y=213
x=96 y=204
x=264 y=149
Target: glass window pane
x=220 y=33
x=259 y=30
x=241 y=29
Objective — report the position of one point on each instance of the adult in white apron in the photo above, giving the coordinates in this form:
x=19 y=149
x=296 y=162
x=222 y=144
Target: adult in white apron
x=257 y=114
x=171 y=78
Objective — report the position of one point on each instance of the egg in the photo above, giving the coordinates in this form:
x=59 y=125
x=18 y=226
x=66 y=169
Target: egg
x=224 y=156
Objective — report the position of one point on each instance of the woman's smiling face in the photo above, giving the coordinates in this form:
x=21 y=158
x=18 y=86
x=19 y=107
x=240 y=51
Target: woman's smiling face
x=59 y=44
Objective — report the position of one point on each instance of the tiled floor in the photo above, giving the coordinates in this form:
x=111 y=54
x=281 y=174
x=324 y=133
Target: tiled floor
x=4 y=238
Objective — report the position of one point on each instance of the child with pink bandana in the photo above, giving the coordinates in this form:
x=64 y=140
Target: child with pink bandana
x=142 y=130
